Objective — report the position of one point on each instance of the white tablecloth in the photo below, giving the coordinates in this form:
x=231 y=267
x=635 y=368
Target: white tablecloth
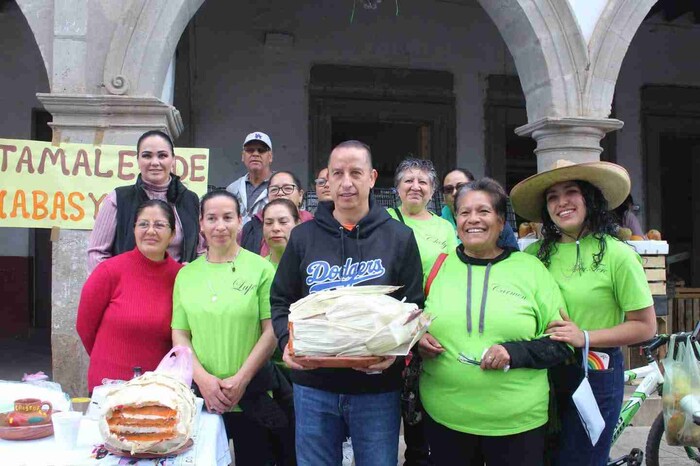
x=210 y=449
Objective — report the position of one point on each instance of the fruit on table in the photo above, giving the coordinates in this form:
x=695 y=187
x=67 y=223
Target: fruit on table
x=624 y=234
x=654 y=235
x=636 y=238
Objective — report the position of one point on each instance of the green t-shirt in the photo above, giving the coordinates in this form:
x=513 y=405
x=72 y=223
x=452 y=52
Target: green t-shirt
x=522 y=299
x=277 y=355
x=434 y=236
x=598 y=299
x=269 y=259
x=224 y=330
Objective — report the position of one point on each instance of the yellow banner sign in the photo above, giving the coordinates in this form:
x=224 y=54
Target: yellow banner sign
x=42 y=185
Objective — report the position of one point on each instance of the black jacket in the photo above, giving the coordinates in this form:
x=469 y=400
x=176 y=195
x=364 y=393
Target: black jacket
x=321 y=254
x=252 y=235
x=185 y=201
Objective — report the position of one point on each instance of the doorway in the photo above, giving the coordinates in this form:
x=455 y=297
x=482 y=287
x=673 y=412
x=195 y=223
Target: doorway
x=680 y=196
x=398 y=112
x=390 y=142
x=671 y=129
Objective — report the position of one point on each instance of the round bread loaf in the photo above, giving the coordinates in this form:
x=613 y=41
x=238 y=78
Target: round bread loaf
x=153 y=413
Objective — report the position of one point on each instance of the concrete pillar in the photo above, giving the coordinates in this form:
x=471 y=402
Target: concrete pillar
x=574 y=139
x=91 y=119
x=568 y=55
x=106 y=63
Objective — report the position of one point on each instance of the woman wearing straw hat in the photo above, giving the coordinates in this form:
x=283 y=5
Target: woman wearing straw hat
x=603 y=283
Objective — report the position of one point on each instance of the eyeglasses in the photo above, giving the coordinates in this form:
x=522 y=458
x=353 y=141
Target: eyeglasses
x=253 y=150
x=321 y=181
x=157 y=226
x=286 y=189
x=464 y=359
x=449 y=188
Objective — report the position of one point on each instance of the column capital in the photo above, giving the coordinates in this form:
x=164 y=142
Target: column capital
x=576 y=139
x=109 y=119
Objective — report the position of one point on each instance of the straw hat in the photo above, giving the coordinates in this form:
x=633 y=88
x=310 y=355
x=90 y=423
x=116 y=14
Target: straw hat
x=527 y=197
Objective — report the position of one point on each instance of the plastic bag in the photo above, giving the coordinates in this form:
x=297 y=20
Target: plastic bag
x=585 y=402
x=681 y=395
x=177 y=364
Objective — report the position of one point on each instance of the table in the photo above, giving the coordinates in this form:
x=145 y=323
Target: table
x=210 y=448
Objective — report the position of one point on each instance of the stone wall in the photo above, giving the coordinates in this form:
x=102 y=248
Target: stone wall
x=241 y=84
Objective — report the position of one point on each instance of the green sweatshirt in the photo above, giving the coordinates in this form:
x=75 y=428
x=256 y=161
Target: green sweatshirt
x=521 y=300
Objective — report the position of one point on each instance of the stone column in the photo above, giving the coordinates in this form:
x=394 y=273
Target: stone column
x=574 y=139
x=90 y=119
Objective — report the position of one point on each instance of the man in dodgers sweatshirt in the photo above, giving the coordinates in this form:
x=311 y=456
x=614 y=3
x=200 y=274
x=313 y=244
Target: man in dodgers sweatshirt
x=351 y=242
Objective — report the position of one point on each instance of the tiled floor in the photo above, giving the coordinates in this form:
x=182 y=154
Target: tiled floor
x=636 y=437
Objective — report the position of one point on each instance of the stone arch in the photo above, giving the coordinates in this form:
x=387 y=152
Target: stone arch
x=39 y=16
x=143 y=45
x=549 y=50
x=608 y=45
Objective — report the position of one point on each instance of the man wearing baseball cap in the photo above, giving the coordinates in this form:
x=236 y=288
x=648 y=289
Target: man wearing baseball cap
x=251 y=188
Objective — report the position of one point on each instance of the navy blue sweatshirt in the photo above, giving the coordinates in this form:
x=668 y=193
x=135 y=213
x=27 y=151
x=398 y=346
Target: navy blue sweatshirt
x=321 y=254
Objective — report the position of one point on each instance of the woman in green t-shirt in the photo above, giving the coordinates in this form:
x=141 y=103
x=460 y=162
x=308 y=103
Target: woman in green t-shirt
x=603 y=283
x=221 y=309
x=280 y=216
x=415 y=181
x=484 y=384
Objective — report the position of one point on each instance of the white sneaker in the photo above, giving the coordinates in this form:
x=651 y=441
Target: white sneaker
x=348 y=456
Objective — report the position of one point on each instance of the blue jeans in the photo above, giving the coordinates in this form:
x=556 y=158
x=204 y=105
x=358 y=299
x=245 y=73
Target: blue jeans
x=324 y=419
x=574 y=447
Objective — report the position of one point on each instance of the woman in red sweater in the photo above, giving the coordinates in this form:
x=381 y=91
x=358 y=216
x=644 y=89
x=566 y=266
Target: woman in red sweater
x=127 y=302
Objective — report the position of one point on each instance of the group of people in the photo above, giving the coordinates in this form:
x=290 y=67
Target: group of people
x=499 y=363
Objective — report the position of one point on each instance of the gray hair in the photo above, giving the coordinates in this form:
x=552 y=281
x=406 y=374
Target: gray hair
x=499 y=198
x=416 y=164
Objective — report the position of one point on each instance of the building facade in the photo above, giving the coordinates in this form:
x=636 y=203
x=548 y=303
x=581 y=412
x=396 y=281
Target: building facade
x=501 y=87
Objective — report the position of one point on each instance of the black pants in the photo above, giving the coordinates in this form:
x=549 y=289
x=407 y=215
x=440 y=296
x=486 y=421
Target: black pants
x=255 y=445
x=451 y=448
x=417 y=449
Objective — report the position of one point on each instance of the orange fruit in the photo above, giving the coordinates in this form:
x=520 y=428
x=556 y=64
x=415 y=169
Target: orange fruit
x=524 y=229
x=654 y=235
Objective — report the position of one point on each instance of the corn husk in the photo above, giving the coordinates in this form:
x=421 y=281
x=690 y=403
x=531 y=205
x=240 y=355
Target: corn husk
x=356 y=321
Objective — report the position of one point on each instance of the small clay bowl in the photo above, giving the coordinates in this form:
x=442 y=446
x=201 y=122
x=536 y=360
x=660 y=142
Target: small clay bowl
x=34 y=432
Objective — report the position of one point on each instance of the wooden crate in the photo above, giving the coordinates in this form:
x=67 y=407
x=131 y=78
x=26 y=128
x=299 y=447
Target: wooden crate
x=655 y=270
x=685 y=309
x=633 y=358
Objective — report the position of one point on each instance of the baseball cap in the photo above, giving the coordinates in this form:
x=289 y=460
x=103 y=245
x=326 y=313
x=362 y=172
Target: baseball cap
x=258 y=136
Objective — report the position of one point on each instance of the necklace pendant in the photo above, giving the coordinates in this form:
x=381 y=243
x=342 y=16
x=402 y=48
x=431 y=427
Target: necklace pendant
x=214 y=298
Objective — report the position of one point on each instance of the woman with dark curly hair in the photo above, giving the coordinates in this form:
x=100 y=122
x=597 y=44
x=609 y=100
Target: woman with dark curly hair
x=603 y=283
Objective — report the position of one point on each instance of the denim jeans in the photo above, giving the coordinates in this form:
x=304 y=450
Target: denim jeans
x=324 y=419
x=574 y=447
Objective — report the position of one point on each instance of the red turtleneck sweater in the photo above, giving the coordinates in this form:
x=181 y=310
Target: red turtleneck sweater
x=124 y=315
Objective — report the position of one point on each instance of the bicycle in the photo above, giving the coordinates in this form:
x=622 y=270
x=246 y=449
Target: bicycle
x=652 y=380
